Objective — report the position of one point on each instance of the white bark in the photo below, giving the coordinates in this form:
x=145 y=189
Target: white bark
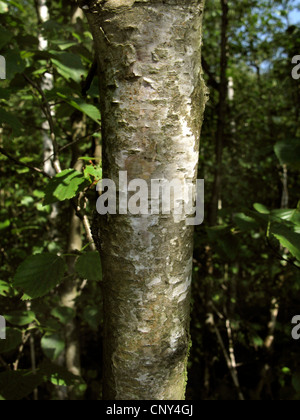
x=153 y=97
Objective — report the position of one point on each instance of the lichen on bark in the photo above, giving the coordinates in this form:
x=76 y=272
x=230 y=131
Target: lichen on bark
x=152 y=103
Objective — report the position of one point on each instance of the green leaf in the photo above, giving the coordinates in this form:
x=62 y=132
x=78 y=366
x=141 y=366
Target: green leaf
x=63 y=313
x=57 y=375
x=288 y=152
x=284 y=214
x=14 y=64
x=12 y=342
x=88 y=266
x=90 y=110
x=258 y=341
x=68 y=65
x=63 y=44
x=288 y=238
x=296 y=218
x=39 y=274
x=17 y=385
x=20 y=318
x=18 y=5
x=4 y=288
x=260 y=208
x=53 y=345
x=65 y=186
x=94 y=171
x=4 y=225
x=245 y=222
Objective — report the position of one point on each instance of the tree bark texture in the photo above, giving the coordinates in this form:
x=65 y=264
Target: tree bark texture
x=152 y=103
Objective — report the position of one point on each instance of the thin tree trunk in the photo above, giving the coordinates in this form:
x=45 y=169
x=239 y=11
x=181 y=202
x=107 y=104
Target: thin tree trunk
x=223 y=92
x=47 y=84
x=70 y=288
x=69 y=294
x=153 y=98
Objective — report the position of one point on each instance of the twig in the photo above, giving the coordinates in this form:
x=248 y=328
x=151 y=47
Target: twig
x=87 y=227
x=72 y=143
x=21 y=348
x=85 y=222
x=18 y=162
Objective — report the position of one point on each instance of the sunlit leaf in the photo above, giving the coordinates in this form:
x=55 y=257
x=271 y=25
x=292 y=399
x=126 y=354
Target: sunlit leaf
x=20 y=318
x=288 y=238
x=65 y=186
x=53 y=345
x=90 y=110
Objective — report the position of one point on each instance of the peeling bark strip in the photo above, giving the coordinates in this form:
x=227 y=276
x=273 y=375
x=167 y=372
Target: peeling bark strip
x=153 y=98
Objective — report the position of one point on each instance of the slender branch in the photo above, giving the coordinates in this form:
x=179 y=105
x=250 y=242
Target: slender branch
x=72 y=143
x=229 y=361
x=85 y=222
x=47 y=112
x=20 y=353
x=87 y=227
x=18 y=162
x=79 y=139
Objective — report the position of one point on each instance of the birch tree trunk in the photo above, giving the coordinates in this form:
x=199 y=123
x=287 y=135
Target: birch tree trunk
x=152 y=103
